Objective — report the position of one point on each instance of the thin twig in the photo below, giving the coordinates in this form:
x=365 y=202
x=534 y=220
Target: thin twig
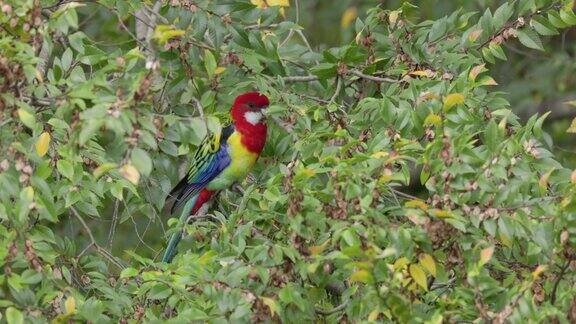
x=372 y=78
x=405 y=195
x=338 y=88
x=557 y=282
x=300 y=78
x=336 y=309
x=113 y=225
x=102 y=251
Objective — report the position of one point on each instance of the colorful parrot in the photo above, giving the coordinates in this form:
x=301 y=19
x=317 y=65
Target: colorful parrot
x=221 y=160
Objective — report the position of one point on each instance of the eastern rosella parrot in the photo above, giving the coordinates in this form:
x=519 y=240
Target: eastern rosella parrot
x=221 y=160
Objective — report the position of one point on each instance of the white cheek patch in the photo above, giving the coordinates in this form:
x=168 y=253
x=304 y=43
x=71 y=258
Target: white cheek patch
x=253 y=117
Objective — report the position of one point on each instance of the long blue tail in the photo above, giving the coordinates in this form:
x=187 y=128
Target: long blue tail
x=176 y=237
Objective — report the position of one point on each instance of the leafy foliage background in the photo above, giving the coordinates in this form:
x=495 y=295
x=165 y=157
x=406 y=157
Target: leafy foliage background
x=412 y=174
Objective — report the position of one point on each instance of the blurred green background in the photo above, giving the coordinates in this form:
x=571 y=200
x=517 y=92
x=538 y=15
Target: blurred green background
x=534 y=82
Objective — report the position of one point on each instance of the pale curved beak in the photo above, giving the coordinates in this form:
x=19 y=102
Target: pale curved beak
x=264 y=111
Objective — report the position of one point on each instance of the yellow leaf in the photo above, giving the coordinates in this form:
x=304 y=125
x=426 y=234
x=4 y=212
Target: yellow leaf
x=452 y=100
x=27 y=118
x=318 y=249
x=131 y=174
x=432 y=120
x=486 y=255
x=475 y=71
x=442 y=213
x=571 y=103
x=163 y=33
x=39 y=76
x=373 y=316
x=543 y=182
x=572 y=128
x=219 y=70
x=42 y=144
x=573 y=177
x=308 y=172
x=538 y=271
x=378 y=155
x=427 y=95
x=311 y=268
x=487 y=81
x=401 y=263
x=263 y=4
x=427 y=261
x=259 y=3
x=416 y=203
x=102 y=169
x=502 y=124
x=505 y=239
x=206 y=258
x=348 y=17
x=70 y=305
x=360 y=265
x=473 y=36
x=279 y=3
x=272 y=305
x=363 y=276
x=418 y=275
x=393 y=17
x=29 y=193
x=423 y=73
x=385 y=178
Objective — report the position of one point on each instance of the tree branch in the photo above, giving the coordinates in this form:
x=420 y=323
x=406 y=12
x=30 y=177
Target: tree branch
x=557 y=282
x=102 y=251
x=372 y=78
x=300 y=78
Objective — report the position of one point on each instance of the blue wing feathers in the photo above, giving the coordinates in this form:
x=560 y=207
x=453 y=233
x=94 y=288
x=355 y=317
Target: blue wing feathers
x=205 y=168
x=208 y=162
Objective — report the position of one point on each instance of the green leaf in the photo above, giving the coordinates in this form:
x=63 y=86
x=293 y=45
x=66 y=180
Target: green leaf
x=497 y=51
x=438 y=30
x=103 y=169
x=324 y=70
x=530 y=39
x=568 y=17
x=210 y=63
x=543 y=27
x=555 y=20
x=142 y=161
x=160 y=291
x=66 y=59
x=14 y=316
x=65 y=168
x=27 y=118
x=502 y=14
x=90 y=127
x=487 y=54
x=129 y=273
x=491 y=136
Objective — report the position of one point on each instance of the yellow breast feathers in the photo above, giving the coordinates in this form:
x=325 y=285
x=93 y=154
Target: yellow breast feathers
x=242 y=160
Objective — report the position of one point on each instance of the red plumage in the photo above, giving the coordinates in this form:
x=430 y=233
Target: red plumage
x=253 y=136
x=203 y=197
